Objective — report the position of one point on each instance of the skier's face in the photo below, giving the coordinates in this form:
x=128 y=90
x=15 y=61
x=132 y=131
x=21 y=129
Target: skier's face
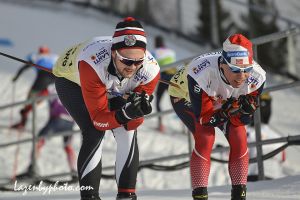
x=128 y=61
x=236 y=78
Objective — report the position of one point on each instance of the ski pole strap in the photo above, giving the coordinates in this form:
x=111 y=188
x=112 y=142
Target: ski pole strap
x=26 y=62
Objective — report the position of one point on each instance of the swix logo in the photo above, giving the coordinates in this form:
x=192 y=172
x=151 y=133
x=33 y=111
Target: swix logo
x=102 y=125
x=212 y=120
x=197 y=89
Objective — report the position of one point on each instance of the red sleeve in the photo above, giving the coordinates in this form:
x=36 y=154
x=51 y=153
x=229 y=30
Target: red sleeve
x=95 y=98
x=149 y=87
x=207 y=108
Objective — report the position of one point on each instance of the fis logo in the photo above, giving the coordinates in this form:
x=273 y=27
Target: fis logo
x=201 y=66
x=139 y=77
x=252 y=80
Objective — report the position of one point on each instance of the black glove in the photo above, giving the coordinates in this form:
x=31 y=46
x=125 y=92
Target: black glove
x=248 y=104
x=230 y=107
x=116 y=103
x=131 y=110
x=146 y=103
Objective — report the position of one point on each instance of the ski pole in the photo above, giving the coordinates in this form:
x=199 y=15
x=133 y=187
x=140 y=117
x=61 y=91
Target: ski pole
x=16 y=157
x=169 y=83
x=13 y=96
x=17 y=151
x=50 y=71
x=26 y=62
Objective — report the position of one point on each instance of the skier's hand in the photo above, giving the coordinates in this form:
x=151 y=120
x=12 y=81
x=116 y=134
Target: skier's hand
x=248 y=104
x=146 y=103
x=131 y=110
x=116 y=103
x=230 y=108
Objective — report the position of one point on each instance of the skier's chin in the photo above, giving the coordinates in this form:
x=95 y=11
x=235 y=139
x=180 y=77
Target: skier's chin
x=237 y=84
x=128 y=73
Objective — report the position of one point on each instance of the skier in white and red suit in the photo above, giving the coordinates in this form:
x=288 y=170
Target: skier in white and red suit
x=106 y=84
x=219 y=90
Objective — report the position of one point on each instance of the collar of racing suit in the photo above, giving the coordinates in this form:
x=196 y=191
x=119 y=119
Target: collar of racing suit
x=221 y=70
x=113 y=70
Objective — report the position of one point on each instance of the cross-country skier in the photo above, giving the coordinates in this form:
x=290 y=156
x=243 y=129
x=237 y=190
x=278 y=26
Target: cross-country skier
x=164 y=56
x=42 y=81
x=59 y=121
x=219 y=90
x=106 y=84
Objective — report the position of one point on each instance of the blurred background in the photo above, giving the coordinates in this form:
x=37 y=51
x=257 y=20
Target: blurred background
x=190 y=28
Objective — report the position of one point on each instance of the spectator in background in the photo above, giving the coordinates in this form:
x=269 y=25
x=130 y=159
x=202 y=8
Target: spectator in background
x=164 y=56
x=43 y=79
x=59 y=121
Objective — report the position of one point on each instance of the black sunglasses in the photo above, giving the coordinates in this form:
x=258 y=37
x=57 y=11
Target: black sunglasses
x=129 y=61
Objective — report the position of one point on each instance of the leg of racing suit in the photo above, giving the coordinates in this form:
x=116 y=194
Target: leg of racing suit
x=89 y=159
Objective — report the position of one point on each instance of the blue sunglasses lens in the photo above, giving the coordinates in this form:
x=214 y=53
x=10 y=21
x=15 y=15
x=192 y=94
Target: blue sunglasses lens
x=239 y=70
x=236 y=69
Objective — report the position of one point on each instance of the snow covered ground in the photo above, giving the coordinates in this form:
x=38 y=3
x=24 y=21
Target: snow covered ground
x=286 y=188
x=61 y=25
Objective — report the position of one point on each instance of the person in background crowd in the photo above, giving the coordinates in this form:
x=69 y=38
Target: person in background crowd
x=59 y=121
x=43 y=79
x=164 y=56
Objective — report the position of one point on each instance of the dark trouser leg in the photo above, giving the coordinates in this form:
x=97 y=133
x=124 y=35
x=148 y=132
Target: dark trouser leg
x=161 y=88
x=89 y=158
x=159 y=93
x=38 y=88
x=184 y=111
x=127 y=161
